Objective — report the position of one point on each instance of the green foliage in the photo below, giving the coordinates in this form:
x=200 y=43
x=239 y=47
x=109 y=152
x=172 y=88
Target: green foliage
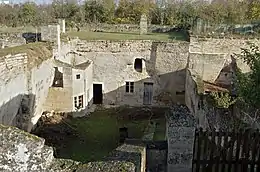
x=28 y=13
x=249 y=83
x=221 y=99
x=179 y=13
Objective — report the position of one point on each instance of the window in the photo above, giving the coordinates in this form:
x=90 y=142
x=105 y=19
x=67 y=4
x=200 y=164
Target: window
x=78 y=76
x=129 y=87
x=180 y=92
x=81 y=101
x=78 y=102
x=75 y=102
x=138 y=65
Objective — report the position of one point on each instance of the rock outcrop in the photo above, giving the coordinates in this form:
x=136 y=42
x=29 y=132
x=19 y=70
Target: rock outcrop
x=23 y=152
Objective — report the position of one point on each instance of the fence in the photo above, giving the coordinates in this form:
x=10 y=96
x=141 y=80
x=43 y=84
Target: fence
x=226 y=151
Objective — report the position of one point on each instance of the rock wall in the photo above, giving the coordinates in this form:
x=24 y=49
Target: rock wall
x=23 y=90
x=180 y=135
x=217 y=47
x=23 y=152
x=11 y=40
x=163 y=64
x=13 y=85
x=125 y=28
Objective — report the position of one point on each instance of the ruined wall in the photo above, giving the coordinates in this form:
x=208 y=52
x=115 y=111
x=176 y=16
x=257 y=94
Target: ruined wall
x=113 y=64
x=13 y=85
x=23 y=90
x=124 y=27
x=11 y=40
x=60 y=99
x=220 y=47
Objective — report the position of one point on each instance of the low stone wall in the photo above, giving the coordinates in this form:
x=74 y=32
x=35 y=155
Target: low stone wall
x=125 y=28
x=135 y=154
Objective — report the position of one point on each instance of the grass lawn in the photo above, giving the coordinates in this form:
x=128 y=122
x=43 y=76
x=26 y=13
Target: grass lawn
x=87 y=35
x=25 y=48
x=98 y=135
x=160 y=130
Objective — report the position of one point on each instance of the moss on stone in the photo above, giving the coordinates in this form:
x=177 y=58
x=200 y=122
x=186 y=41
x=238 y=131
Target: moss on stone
x=28 y=135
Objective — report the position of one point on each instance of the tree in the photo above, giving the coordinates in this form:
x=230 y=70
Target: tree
x=249 y=83
x=253 y=12
x=27 y=13
x=95 y=11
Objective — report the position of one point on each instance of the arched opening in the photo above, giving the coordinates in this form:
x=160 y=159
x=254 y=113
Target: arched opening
x=138 y=65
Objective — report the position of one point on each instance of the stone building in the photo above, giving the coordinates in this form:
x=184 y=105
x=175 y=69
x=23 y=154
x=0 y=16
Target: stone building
x=72 y=87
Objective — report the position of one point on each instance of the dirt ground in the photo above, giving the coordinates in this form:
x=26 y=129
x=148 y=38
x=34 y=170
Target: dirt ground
x=93 y=137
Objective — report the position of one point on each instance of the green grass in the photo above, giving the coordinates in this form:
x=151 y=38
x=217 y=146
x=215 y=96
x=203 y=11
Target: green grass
x=86 y=35
x=160 y=130
x=23 y=48
x=18 y=29
x=98 y=136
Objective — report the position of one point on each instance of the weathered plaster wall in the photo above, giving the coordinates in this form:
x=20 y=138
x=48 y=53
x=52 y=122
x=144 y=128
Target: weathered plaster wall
x=89 y=84
x=18 y=81
x=13 y=85
x=163 y=64
x=41 y=79
x=60 y=99
x=220 y=47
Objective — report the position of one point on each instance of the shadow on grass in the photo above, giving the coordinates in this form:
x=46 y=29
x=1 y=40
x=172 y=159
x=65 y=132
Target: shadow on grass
x=182 y=35
x=92 y=138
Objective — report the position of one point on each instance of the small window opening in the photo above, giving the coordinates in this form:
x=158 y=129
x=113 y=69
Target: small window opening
x=138 y=65
x=129 y=87
x=180 y=92
x=81 y=101
x=78 y=76
x=78 y=102
x=58 y=78
x=75 y=102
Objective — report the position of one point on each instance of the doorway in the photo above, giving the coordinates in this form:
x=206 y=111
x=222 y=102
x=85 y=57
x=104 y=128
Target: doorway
x=148 y=93
x=97 y=94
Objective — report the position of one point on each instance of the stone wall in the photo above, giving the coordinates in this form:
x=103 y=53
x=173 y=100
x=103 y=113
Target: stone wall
x=49 y=33
x=13 y=85
x=125 y=28
x=60 y=99
x=218 y=47
x=113 y=65
x=180 y=136
x=23 y=86
x=23 y=152
x=11 y=40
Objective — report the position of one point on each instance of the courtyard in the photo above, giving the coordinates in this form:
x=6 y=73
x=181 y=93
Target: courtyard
x=93 y=137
